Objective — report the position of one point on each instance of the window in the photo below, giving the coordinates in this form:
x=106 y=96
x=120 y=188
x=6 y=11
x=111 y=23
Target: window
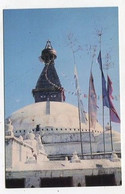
x=100 y=180
x=56 y=182
x=15 y=183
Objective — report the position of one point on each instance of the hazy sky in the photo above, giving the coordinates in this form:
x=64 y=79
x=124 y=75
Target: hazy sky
x=25 y=35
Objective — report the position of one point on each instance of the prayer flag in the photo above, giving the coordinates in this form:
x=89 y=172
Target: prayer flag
x=113 y=114
x=80 y=103
x=104 y=90
x=92 y=104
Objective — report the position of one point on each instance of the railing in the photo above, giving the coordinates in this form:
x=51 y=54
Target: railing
x=99 y=155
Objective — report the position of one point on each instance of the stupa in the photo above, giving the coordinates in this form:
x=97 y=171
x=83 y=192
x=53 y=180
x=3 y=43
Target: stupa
x=46 y=134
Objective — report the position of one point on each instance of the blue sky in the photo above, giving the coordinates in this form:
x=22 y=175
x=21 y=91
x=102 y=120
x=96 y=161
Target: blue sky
x=25 y=35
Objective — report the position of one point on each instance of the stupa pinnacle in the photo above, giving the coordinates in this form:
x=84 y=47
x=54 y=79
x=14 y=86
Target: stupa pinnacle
x=48 y=86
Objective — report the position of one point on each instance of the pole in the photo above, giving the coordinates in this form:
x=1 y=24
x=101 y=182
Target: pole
x=80 y=125
x=89 y=106
x=111 y=134
x=79 y=112
x=100 y=34
x=103 y=128
x=89 y=126
x=110 y=124
x=78 y=97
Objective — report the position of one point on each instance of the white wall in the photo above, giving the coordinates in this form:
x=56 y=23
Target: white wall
x=16 y=152
x=68 y=148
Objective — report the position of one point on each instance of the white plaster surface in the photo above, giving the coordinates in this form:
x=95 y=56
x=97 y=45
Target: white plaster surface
x=62 y=115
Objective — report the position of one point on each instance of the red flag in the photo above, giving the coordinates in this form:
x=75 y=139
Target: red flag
x=113 y=114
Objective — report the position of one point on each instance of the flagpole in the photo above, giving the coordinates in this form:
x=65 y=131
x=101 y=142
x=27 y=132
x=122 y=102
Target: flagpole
x=112 y=112
x=100 y=34
x=110 y=124
x=89 y=123
x=78 y=97
x=80 y=125
x=89 y=105
x=103 y=129
x=111 y=132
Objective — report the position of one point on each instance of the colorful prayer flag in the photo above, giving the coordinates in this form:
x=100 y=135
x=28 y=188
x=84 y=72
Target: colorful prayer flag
x=104 y=90
x=80 y=103
x=100 y=60
x=113 y=114
x=92 y=103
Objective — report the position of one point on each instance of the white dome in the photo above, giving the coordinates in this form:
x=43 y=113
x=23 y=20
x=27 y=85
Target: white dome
x=62 y=115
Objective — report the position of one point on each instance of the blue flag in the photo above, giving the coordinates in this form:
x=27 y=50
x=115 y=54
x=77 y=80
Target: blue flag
x=100 y=61
x=104 y=89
